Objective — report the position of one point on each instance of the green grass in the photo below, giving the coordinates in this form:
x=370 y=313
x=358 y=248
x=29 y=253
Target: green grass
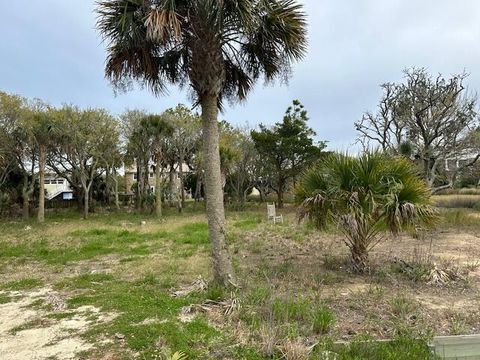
x=32 y=324
x=248 y=224
x=289 y=310
x=402 y=306
x=24 y=284
x=322 y=319
x=85 y=281
x=215 y=293
x=147 y=315
x=364 y=348
x=259 y=295
x=4 y=299
x=459 y=219
x=85 y=244
x=61 y=315
x=137 y=301
x=247 y=353
x=192 y=234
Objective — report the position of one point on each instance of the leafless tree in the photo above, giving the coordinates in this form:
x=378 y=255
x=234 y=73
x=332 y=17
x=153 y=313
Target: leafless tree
x=428 y=118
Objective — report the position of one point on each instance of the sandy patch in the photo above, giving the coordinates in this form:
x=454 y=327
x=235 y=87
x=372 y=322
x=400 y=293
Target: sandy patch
x=59 y=339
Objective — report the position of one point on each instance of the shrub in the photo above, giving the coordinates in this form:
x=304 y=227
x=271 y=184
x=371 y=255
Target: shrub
x=363 y=196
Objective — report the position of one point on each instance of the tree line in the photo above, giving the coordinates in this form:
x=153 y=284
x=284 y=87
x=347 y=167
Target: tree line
x=219 y=50
x=91 y=148
x=428 y=120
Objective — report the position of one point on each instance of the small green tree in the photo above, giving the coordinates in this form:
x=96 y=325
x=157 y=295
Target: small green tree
x=112 y=160
x=180 y=147
x=12 y=141
x=82 y=137
x=18 y=144
x=138 y=151
x=288 y=146
x=362 y=195
x=158 y=128
x=242 y=171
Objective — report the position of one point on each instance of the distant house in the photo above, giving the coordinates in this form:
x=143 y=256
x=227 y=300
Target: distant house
x=57 y=187
x=453 y=164
x=131 y=177
x=464 y=170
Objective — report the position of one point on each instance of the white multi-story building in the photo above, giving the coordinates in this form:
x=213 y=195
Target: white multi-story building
x=57 y=187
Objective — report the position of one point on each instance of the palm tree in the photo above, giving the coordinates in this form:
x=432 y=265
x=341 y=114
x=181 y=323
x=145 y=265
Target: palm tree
x=219 y=48
x=158 y=128
x=43 y=129
x=362 y=196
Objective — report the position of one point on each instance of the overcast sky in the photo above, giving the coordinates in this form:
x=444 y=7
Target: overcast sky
x=49 y=49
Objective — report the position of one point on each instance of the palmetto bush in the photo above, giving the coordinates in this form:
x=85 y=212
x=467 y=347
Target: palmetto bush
x=363 y=196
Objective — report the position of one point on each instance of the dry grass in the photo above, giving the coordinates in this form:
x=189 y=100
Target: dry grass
x=294 y=350
x=296 y=286
x=457 y=201
x=463 y=191
x=317 y=265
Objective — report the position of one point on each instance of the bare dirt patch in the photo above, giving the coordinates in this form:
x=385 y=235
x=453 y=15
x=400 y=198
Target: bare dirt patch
x=27 y=333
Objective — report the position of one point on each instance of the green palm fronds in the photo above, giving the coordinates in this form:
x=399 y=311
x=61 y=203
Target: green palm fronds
x=362 y=195
x=163 y=42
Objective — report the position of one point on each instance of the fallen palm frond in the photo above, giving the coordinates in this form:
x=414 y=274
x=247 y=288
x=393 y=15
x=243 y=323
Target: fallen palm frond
x=441 y=277
x=198 y=285
x=227 y=308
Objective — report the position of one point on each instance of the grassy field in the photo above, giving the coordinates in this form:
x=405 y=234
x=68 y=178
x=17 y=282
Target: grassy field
x=126 y=286
x=467 y=201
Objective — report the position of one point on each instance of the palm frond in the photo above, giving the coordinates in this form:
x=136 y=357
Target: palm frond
x=162 y=26
x=161 y=42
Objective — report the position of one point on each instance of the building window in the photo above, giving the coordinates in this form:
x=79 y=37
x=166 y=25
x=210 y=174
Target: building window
x=151 y=175
x=134 y=176
x=60 y=182
x=46 y=182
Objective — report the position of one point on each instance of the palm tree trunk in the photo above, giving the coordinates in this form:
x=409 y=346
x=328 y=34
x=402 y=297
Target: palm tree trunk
x=281 y=189
x=26 y=206
x=25 y=198
x=108 y=186
x=170 y=186
x=359 y=258
x=115 y=182
x=222 y=265
x=198 y=187
x=41 y=179
x=86 y=198
x=140 y=187
x=146 y=178
x=182 y=187
x=158 y=186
